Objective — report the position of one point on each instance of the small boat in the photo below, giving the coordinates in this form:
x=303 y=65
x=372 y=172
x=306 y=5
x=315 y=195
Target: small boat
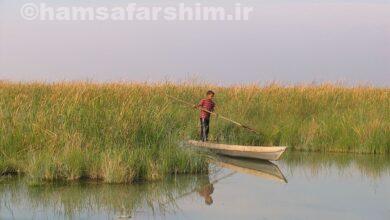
x=260 y=168
x=257 y=152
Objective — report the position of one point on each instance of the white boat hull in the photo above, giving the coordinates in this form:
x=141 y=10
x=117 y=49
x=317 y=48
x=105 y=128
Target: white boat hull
x=257 y=152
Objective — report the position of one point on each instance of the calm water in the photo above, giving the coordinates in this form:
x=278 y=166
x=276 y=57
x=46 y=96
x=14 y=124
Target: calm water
x=300 y=186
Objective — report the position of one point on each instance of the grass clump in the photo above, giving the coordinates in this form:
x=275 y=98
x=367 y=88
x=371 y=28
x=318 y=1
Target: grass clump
x=131 y=132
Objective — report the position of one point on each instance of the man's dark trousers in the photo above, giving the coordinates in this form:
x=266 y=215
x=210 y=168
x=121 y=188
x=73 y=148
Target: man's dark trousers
x=204 y=128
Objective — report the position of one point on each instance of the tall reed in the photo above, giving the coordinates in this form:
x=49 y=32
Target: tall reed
x=132 y=132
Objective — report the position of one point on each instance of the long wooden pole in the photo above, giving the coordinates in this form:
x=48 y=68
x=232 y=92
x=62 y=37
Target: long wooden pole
x=218 y=115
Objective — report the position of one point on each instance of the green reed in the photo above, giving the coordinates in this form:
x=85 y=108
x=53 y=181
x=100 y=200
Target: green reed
x=132 y=132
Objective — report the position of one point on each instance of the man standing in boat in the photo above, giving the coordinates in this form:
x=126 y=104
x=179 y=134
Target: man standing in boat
x=206 y=106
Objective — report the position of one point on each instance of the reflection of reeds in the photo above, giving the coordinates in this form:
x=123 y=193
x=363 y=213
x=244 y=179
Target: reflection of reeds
x=372 y=166
x=70 y=200
x=129 y=132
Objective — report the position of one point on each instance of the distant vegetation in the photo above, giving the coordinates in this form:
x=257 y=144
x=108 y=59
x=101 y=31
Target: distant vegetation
x=132 y=132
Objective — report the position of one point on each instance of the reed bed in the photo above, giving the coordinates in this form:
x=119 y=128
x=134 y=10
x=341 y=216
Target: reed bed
x=132 y=132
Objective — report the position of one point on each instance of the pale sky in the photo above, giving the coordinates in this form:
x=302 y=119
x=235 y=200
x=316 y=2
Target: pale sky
x=284 y=41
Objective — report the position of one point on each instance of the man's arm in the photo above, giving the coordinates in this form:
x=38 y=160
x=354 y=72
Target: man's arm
x=199 y=105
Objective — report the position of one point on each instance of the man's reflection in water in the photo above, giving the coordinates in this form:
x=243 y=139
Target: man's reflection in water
x=206 y=190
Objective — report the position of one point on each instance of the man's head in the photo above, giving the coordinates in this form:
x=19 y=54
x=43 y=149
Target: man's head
x=210 y=94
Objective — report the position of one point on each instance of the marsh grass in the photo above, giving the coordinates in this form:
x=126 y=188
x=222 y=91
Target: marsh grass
x=130 y=132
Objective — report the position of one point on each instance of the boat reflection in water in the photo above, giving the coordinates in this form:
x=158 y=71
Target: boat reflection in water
x=261 y=168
